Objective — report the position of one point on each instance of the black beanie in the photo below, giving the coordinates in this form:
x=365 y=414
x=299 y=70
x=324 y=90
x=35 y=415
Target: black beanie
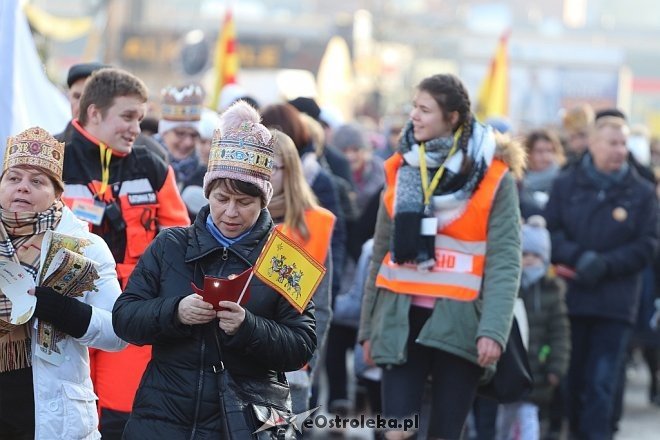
x=83 y=70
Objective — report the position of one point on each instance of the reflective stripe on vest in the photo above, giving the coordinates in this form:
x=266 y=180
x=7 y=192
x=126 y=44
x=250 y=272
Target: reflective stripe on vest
x=320 y=223
x=460 y=247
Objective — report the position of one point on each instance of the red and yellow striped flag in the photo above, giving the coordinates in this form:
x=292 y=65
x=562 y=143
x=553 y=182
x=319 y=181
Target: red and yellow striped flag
x=494 y=92
x=225 y=65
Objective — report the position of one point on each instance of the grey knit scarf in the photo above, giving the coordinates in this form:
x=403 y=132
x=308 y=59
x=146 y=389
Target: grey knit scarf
x=450 y=197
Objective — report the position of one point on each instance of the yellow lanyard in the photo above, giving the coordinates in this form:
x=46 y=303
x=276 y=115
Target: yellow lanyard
x=427 y=187
x=106 y=156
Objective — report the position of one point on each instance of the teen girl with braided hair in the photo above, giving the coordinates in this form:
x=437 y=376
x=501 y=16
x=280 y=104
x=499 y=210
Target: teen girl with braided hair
x=439 y=298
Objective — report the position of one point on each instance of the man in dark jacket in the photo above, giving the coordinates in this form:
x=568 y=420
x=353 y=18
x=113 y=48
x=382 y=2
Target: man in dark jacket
x=603 y=221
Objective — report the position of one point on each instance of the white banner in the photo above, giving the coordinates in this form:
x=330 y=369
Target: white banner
x=27 y=97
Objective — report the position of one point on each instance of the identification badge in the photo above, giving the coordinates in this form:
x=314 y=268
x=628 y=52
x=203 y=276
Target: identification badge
x=429 y=226
x=91 y=212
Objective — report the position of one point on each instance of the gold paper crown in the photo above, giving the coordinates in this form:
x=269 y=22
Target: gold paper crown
x=35 y=147
x=182 y=103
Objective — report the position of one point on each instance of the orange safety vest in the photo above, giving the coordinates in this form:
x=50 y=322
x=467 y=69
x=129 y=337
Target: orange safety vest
x=320 y=223
x=460 y=246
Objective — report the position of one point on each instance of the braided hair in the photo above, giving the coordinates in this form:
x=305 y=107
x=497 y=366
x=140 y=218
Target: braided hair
x=451 y=95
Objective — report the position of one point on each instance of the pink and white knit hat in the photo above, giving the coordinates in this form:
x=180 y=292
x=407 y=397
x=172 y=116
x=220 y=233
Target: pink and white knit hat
x=241 y=149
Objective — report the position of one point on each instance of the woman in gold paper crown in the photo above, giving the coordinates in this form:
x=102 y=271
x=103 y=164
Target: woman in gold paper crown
x=47 y=392
x=208 y=367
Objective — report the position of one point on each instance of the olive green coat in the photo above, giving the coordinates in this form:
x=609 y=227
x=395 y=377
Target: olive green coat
x=454 y=326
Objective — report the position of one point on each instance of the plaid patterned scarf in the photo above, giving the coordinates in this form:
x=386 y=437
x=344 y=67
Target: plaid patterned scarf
x=21 y=234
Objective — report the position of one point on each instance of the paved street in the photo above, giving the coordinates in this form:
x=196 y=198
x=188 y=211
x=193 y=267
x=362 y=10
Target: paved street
x=641 y=420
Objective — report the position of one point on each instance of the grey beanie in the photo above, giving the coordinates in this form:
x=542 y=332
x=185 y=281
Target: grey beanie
x=349 y=135
x=536 y=238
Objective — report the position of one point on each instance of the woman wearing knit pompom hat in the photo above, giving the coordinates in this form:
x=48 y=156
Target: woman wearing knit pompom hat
x=258 y=339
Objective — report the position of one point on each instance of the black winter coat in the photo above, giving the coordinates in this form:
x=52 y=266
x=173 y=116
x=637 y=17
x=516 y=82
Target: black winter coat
x=178 y=394
x=582 y=217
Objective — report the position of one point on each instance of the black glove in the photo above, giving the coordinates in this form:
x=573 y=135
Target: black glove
x=405 y=236
x=590 y=268
x=67 y=314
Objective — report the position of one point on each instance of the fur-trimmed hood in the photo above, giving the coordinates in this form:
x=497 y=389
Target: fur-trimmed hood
x=511 y=152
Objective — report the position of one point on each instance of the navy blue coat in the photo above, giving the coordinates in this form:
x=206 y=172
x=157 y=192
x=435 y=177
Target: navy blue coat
x=581 y=217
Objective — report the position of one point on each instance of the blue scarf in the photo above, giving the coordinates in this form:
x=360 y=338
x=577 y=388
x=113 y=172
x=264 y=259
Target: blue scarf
x=603 y=181
x=219 y=236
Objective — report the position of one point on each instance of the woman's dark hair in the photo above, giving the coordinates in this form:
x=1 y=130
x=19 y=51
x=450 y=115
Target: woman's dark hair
x=235 y=186
x=286 y=118
x=451 y=95
x=543 y=134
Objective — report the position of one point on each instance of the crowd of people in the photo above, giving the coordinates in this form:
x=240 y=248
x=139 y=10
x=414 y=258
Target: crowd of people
x=430 y=232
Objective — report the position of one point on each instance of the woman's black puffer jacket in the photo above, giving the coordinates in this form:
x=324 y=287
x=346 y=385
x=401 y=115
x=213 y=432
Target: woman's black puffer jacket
x=178 y=394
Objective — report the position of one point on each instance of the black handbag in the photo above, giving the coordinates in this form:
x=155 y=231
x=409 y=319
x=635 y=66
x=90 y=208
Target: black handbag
x=513 y=377
x=247 y=403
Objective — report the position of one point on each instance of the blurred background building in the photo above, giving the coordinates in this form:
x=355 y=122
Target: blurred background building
x=604 y=52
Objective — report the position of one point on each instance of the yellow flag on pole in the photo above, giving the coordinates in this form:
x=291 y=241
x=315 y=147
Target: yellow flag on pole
x=288 y=268
x=225 y=64
x=494 y=92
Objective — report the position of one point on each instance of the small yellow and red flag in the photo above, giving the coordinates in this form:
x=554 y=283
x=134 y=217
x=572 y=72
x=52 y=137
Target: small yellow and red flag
x=225 y=63
x=493 y=97
x=286 y=267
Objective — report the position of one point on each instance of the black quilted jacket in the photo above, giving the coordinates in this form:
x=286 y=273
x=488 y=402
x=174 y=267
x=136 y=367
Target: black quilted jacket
x=178 y=394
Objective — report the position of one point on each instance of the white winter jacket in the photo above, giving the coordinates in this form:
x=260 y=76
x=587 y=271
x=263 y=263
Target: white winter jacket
x=64 y=399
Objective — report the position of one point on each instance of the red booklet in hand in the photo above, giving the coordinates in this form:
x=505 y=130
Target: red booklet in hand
x=565 y=271
x=235 y=288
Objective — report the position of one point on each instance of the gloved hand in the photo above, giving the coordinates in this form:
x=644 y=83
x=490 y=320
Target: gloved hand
x=590 y=268
x=65 y=313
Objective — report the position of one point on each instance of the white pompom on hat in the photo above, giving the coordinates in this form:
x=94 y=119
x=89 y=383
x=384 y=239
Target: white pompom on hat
x=229 y=94
x=208 y=124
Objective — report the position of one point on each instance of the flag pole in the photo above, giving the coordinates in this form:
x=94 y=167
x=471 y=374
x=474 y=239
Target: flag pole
x=247 y=283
